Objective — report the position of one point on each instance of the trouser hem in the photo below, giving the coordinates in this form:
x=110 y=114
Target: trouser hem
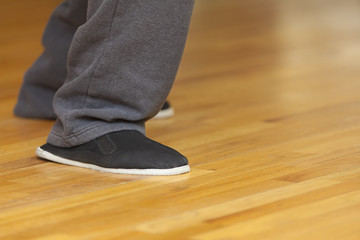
x=92 y=132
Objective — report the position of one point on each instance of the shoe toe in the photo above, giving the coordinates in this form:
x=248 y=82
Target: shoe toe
x=172 y=159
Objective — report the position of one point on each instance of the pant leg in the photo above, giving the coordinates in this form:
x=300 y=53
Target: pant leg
x=121 y=67
x=49 y=72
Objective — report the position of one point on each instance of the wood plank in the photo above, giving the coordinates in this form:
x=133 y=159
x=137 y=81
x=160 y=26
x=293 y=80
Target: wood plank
x=267 y=110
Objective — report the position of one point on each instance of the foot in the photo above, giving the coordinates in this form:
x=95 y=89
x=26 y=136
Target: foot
x=165 y=112
x=126 y=152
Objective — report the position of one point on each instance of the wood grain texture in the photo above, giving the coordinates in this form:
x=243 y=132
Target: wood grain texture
x=267 y=110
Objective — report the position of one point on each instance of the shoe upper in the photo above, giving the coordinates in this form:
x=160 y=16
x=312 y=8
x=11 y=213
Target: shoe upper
x=127 y=149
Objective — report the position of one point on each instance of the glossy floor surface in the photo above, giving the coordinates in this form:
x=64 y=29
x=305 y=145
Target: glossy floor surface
x=267 y=104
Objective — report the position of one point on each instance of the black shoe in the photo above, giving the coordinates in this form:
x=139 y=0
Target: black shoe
x=127 y=152
x=165 y=112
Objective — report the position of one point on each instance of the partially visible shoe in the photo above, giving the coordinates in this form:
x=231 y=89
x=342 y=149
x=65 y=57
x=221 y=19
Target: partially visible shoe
x=165 y=112
x=126 y=152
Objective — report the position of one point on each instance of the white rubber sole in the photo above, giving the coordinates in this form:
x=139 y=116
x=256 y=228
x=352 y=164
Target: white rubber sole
x=165 y=113
x=161 y=172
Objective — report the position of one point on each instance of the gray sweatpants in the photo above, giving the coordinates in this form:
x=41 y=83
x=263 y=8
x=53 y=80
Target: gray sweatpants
x=119 y=59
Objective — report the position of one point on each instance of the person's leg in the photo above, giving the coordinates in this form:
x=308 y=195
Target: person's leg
x=48 y=73
x=121 y=66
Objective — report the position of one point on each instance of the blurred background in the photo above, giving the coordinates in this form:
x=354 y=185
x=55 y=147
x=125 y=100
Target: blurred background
x=280 y=39
x=267 y=109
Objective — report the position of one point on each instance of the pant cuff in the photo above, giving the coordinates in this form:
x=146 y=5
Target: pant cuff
x=92 y=132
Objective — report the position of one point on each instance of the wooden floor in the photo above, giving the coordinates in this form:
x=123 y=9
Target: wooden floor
x=267 y=106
